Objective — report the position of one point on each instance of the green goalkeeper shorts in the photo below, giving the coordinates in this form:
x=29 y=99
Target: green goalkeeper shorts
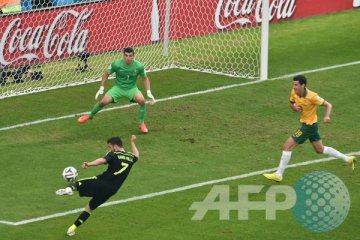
x=305 y=132
x=116 y=93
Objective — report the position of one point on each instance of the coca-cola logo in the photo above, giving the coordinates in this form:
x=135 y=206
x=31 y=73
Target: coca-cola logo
x=56 y=38
x=231 y=12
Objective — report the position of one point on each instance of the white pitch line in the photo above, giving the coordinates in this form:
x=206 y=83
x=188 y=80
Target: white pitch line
x=160 y=100
x=317 y=70
x=180 y=96
x=129 y=105
x=169 y=191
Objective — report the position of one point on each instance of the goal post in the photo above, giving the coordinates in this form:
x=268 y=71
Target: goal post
x=59 y=46
x=264 y=56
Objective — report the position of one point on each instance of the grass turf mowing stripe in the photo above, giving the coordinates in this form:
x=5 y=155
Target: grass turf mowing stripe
x=178 y=96
x=169 y=191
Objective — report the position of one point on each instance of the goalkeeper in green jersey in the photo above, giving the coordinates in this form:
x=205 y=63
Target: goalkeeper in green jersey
x=126 y=72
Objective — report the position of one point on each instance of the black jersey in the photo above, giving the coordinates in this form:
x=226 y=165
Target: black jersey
x=119 y=166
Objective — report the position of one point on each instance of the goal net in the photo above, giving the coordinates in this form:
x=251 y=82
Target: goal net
x=63 y=43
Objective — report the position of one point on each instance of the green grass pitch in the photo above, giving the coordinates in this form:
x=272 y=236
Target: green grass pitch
x=191 y=140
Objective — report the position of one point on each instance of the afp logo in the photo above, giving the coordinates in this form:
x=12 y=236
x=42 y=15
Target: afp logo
x=319 y=201
x=322 y=202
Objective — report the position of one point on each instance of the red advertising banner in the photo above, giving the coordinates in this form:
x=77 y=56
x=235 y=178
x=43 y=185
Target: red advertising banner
x=64 y=32
x=308 y=8
x=60 y=33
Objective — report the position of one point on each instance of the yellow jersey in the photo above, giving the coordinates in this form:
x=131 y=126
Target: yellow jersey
x=309 y=103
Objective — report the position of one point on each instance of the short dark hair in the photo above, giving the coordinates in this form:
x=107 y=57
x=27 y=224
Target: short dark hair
x=302 y=79
x=129 y=50
x=115 y=141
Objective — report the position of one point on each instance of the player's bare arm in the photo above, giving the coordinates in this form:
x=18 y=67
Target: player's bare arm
x=96 y=162
x=134 y=149
x=328 y=107
x=295 y=107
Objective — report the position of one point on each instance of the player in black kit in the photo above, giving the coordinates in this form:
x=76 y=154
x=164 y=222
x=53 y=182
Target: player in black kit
x=103 y=186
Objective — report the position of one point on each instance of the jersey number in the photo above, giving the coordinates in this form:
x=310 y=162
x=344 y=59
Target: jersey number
x=298 y=133
x=124 y=167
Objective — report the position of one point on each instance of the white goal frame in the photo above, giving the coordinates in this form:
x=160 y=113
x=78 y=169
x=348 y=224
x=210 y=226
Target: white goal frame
x=70 y=20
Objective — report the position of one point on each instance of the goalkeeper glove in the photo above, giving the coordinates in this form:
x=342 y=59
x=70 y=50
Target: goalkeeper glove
x=152 y=99
x=99 y=92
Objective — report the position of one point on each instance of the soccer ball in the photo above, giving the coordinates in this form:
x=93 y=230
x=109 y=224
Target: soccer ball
x=69 y=173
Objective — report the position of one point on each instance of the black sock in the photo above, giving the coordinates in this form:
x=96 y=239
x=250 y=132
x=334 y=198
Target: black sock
x=82 y=218
x=72 y=185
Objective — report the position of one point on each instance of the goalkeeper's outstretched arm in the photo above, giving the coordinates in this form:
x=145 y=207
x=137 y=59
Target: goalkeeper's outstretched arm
x=104 y=77
x=146 y=83
x=148 y=90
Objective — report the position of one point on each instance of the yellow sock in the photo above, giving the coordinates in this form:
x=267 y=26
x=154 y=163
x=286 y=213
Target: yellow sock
x=72 y=227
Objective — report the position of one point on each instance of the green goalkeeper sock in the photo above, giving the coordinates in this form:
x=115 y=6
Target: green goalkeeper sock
x=142 y=113
x=95 y=110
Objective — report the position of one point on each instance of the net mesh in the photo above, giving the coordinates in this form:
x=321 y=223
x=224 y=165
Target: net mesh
x=59 y=43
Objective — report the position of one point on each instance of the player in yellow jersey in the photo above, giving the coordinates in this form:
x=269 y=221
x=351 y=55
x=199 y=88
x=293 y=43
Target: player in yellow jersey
x=306 y=102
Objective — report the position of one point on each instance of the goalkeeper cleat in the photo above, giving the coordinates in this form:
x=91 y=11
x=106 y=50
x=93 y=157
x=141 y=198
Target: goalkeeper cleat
x=352 y=162
x=64 y=191
x=84 y=118
x=273 y=176
x=71 y=230
x=143 y=128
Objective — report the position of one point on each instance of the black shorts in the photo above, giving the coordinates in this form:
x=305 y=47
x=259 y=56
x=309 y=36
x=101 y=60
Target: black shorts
x=99 y=190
